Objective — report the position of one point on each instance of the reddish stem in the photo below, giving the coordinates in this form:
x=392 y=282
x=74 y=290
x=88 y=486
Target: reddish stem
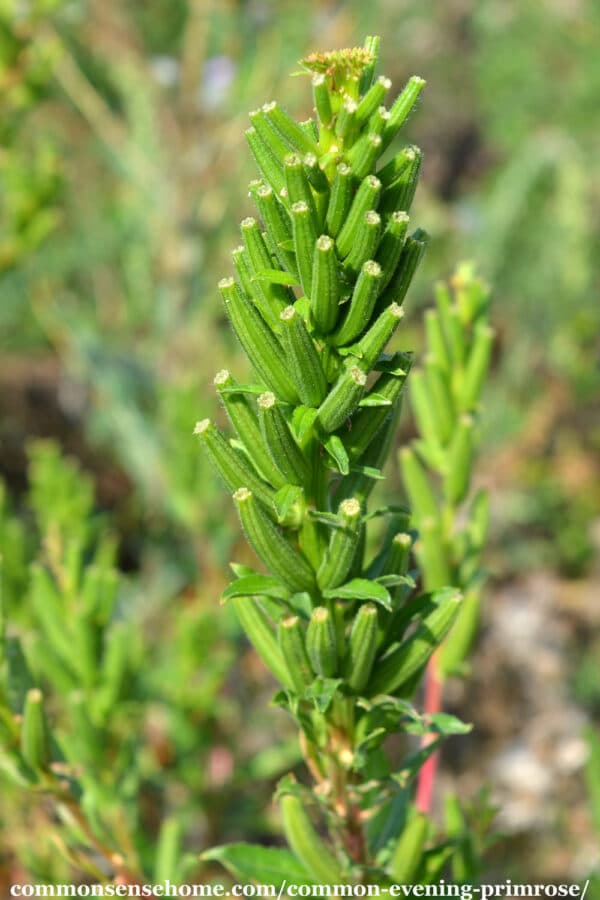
x=432 y=704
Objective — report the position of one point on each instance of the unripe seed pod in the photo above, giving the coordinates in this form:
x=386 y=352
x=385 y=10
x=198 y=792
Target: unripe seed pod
x=411 y=256
x=261 y=346
x=408 y=853
x=231 y=465
x=436 y=340
x=283 y=449
x=361 y=305
x=274 y=297
x=398 y=666
x=297 y=183
x=374 y=342
x=241 y=261
x=309 y=127
x=315 y=173
x=402 y=107
x=260 y=634
x=422 y=499
x=424 y=410
x=269 y=134
x=270 y=167
x=438 y=389
x=365 y=243
x=365 y=154
x=291 y=131
x=342 y=546
x=346 y=125
x=433 y=554
x=291 y=643
x=342 y=399
x=363 y=647
x=278 y=226
x=244 y=420
x=399 y=555
x=303 y=358
x=321 y=642
x=390 y=246
x=366 y=198
x=400 y=193
x=271 y=546
x=35 y=739
x=477 y=365
x=340 y=200
x=367 y=422
x=305 y=236
x=397 y=165
x=456 y=480
x=378 y=121
x=372 y=99
x=325 y=292
x=306 y=844
x=322 y=99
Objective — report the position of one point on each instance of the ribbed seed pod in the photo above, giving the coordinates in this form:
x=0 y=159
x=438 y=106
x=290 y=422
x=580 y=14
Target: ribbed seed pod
x=305 y=236
x=271 y=137
x=373 y=98
x=35 y=739
x=374 y=341
x=259 y=631
x=278 y=226
x=365 y=243
x=398 y=666
x=366 y=198
x=242 y=416
x=456 y=479
x=315 y=173
x=400 y=193
x=342 y=546
x=283 y=449
x=408 y=852
x=291 y=131
x=241 y=261
x=270 y=167
x=363 y=647
x=325 y=294
x=309 y=127
x=306 y=844
x=346 y=125
x=402 y=107
x=477 y=366
x=321 y=642
x=322 y=100
x=390 y=246
x=290 y=636
x=261 y=346
x=378 y=121
x=397 y=559
x=297 y=184
x=271 y=546
x=441 y=398
x=411 y=256
x=433 y=554
x=361 y=305
x=423 y=409
x=367 y=422
x=275 y=296
x=343 y=398
x=340 y=200
x=365 y=154
x=231 y=465
x=397 y=165
x=421 y=496
x=303 y=358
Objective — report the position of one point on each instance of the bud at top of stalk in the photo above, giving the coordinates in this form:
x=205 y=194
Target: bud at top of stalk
x=242 y=494
x=320 y=614
x=402 y=538
x=324 y=242
x=350 y=507
x=288 y=313
x=300 y=207
x=358 y=376
x=201 y=426
x=225 y=283
x=248 y=222
x=267 y=400
x=265 y=190
x=222 y=377
x=372 y=217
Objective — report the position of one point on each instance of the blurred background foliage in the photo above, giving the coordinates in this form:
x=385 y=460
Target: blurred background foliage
x=123 y=174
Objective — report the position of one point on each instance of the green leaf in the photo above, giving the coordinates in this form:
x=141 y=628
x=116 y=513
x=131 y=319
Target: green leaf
x=256 y=586
x=303 y=419
x=392 y=509
x=325 y=518
x=362 y=589
x=240 y=570
x=336 y=450
x=439 y=723
x=285 y=499
x=275 y=276
x=395 y=580
x=369 y=471
x=243 y=389
x=264 y=865
x=375 y=399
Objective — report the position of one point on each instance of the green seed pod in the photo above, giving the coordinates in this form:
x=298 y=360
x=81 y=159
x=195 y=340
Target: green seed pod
x=397 y=165
x=315 y=173
x=436 y=341
x=290 y=635
x=456 y=480
x=367 y=421
x=306 y=844
x=303 y=358
x=241 y=261
x=433 y=555
x=402 y=107
x=271 y=298
x=261 y=346
x=243 y=418
x=283 y=449
x=35 y=738
x=400 y=193
x=291 y=131
x=372 y=99
x=342 y=546
x=408 y=852
x=390 y=246
x=269 y=135
x=270 y=167
x=271 y=546
x=363 y=647
x=412 y=253
x=361 y=305
x=399 y=555
x=309 y=127
x=366 y=198
x=365 y=244
x=372 y=43
x=455 y=649
x=305 y=236
x=231 y=465
x=345 y=124
x=477 y=366
x=365 y=154
x=278 y=226
x=378 y=121
x=321 y=642
x=398 y=666
x=261 y=636
x=342 y=399
x=422 y=499
x=298 y=186
x=374 y=342
x=438 y=388
x=340 y=200
x=322 y=100
x=423 y=408
x=326 y=288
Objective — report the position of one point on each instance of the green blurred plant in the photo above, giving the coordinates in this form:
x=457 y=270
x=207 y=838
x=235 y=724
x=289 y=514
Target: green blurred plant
x=319 y=297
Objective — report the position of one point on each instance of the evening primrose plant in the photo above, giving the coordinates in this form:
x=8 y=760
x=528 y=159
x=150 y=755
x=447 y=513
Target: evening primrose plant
x=321 y=277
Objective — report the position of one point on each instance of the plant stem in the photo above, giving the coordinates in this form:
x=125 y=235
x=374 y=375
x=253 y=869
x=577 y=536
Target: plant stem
x=432 y=704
